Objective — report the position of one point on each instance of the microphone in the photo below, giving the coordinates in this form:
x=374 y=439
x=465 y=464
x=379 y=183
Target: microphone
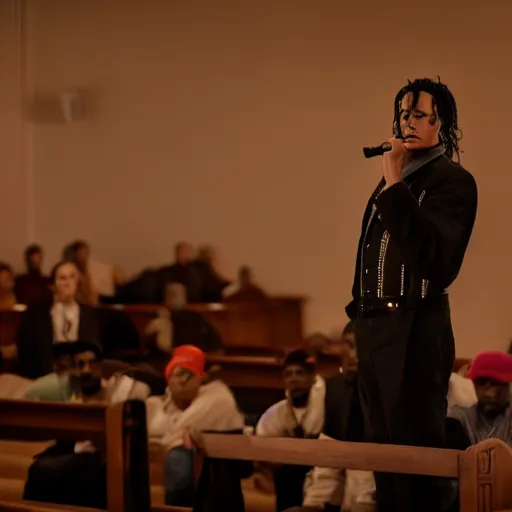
x=370 y=152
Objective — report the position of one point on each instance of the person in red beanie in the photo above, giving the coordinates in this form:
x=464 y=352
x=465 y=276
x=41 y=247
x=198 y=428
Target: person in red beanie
x=491 y=416
x=192 y=402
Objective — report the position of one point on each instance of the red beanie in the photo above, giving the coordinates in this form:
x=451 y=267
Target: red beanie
x=186 y=356
x=491 y=365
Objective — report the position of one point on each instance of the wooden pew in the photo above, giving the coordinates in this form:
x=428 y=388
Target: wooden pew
x=28 y=506
x=272 y=323
x=121 y=428
x=484 y=471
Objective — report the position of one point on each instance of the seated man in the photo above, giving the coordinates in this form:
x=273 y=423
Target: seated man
x=74 y=473
x=191 y=403
x=490 y=417
x=245 y=290
x=334 y=489
x=33 y=286
x=56 y=386
x=300 y=415
x=177 y=325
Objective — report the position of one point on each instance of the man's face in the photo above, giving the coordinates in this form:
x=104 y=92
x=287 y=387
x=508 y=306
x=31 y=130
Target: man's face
x=6 y=281
x=348 y=354
x=175 y=296
x=63 y=364
x=184 y=253
x=87 y=371
x=419 y=124
x=82 y=255
x=208 y=254
x=35 y=260
x=297 y=380
x=493 y=396
x=66 y=281
x=184 y=385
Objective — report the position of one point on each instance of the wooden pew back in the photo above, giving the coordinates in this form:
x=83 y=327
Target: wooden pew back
x=121 y=428
x=484 y=471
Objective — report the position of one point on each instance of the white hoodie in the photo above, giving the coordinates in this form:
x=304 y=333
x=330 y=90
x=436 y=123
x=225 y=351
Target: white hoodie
x=214 y=408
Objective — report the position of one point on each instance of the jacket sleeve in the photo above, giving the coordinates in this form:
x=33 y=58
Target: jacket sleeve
x=212 y=338
x=430 y=237
x=324 y=485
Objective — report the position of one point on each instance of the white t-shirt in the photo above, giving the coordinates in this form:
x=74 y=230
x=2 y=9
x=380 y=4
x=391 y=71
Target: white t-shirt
x=279 y=419
x=214 y=408
x=102 y=277
x=65 y=319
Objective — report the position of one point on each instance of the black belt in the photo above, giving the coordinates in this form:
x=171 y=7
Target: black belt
x=368 y=307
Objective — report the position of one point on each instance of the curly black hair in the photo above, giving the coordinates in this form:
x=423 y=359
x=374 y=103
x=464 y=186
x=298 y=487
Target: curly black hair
x=444 y=105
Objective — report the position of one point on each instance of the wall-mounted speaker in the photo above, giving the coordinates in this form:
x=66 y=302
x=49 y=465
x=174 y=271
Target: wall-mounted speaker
x=73 y=105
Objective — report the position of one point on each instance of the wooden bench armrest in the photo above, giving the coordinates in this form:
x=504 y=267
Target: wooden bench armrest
x=165 y=508
x=30 y=506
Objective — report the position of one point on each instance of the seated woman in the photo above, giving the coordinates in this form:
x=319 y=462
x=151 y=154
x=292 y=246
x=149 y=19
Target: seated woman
x=192 y=402
x=59 y=320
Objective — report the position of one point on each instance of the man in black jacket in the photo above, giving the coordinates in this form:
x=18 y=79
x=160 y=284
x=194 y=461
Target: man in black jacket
x=415 y=231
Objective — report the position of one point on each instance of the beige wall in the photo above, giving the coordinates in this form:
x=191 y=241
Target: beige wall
x=14 y=135
x=241 y=124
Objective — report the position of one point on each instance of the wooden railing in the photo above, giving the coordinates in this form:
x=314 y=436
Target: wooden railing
x=484 y=471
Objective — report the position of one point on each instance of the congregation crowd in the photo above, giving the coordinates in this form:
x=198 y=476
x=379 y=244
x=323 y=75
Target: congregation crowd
x=60 y=357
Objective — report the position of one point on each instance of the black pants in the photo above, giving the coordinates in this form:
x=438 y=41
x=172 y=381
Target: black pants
x=289 y=485
x=405 y=362
x=70 y=479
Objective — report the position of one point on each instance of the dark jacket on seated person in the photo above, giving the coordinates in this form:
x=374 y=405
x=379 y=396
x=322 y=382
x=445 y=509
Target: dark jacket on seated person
x=185 y=274
x=219 y=487
x=35 y=337
x=32 y=287
x=118 y=333
x=191 y=327
x=211 y=284
x=326 y=488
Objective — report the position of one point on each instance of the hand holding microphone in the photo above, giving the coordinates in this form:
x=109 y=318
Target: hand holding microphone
x=372 y=151
x=393 y=152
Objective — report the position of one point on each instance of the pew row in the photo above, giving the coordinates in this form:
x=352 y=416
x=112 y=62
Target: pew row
x=484 y=471
x=262 y=325
x=28 y=428
x=28 y=506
